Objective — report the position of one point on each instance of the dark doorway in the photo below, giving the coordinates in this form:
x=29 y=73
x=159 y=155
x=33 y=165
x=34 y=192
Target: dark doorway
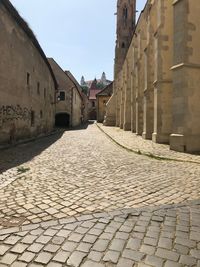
x=62 y=120
x=93 y=115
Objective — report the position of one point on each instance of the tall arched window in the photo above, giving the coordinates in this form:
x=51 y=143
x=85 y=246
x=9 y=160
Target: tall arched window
x=125 y=15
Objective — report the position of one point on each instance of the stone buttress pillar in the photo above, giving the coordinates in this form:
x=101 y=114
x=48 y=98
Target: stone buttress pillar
x=185 y=135
x=163 y=75
x=127 y=99
x=148 y=110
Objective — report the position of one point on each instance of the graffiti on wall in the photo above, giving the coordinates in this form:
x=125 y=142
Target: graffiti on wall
x=11 y=113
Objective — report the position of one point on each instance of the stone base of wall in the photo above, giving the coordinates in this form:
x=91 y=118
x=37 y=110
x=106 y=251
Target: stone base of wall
x=183 y=143
x=109 y=120
x=31 y=139
x=127 y=126
x=146 y=136
x=160 y=138
x=177 y=142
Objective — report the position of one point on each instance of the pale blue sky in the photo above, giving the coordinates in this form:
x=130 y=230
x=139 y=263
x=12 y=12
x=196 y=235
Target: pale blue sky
x=78 y=34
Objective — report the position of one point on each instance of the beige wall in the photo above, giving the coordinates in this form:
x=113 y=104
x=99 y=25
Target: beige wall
x=76 y=108
x=85 y=107
x=92 y=109
x=73 y=103
x=101 y=107
x=19 y=101
x=156 y=91
x=186 y=77
x=64 y=106
x=65 y=85
x=163 y=75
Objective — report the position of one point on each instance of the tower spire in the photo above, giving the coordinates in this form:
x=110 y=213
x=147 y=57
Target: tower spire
x=126 y=10
x=103 y=78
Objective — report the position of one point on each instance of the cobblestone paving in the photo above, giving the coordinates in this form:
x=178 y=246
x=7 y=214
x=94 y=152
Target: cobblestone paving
x=166 y=237
x=137 y=143
x=82 y=173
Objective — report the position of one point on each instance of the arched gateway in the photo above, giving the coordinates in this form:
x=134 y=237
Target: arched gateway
x=62 y=120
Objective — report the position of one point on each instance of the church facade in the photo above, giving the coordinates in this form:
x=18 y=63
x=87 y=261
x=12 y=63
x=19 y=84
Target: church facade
x=157 y=73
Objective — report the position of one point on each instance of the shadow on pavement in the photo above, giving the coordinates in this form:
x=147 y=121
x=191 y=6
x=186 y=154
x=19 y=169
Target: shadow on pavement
x=19 y=154
x=83 y=126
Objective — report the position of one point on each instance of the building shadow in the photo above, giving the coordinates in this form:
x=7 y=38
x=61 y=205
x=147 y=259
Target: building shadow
x=22 y=153
x=83 y=126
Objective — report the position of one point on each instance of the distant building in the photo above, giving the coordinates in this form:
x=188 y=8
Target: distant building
x=27 y=83
x=102 y=98
x=92 y=104
x=69 y=104
x=100 y=82
x=84 y=98
x=92 y=88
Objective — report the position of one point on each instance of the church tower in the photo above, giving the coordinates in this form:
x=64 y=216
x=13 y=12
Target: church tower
x=126 y=10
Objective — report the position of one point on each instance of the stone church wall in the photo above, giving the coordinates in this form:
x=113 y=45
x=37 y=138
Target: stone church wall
x=156 y=92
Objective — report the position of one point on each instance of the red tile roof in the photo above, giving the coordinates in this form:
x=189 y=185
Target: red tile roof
x=92 y=93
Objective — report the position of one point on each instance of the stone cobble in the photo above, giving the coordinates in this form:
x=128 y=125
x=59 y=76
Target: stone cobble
x=81 y=200
x=137 y=143
x=67 y=244
x=8 y=177
x=83 y=172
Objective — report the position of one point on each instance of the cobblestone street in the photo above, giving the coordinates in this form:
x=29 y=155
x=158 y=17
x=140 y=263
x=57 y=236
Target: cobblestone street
x=78 y=199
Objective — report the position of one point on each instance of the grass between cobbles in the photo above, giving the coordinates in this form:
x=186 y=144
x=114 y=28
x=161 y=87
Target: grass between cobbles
x=147 y=154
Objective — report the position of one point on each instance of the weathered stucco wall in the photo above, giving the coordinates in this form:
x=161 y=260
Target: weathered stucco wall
x=101 y=107
x=69 y=99
x=27 y=89
x=76 y=108
x=65 y=86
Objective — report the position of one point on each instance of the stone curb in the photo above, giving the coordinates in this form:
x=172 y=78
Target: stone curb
x=89 y=217
x=147 y=154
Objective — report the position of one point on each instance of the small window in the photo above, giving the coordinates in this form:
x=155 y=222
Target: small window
x=75 y=98
x=93 y=104
x=28 y=78
x=123 y=45
x=45 y=92
x=125 y=15
x=38 y=88
x=41 y=114
x=104 y=102
x=32 y=118
x=62 y=96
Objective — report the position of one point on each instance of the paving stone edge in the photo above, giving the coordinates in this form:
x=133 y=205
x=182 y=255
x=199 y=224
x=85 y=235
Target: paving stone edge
x=98 y=215
x=150 y=155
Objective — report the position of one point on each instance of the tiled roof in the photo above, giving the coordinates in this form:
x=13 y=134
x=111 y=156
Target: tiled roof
x=92 y=94
x=89 y=83
x=107 y=91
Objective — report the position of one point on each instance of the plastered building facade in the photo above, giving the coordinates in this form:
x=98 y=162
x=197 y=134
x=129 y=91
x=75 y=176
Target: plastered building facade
x=102 y=99
x=69 y=101
x=156 y=87
x=27 y=83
